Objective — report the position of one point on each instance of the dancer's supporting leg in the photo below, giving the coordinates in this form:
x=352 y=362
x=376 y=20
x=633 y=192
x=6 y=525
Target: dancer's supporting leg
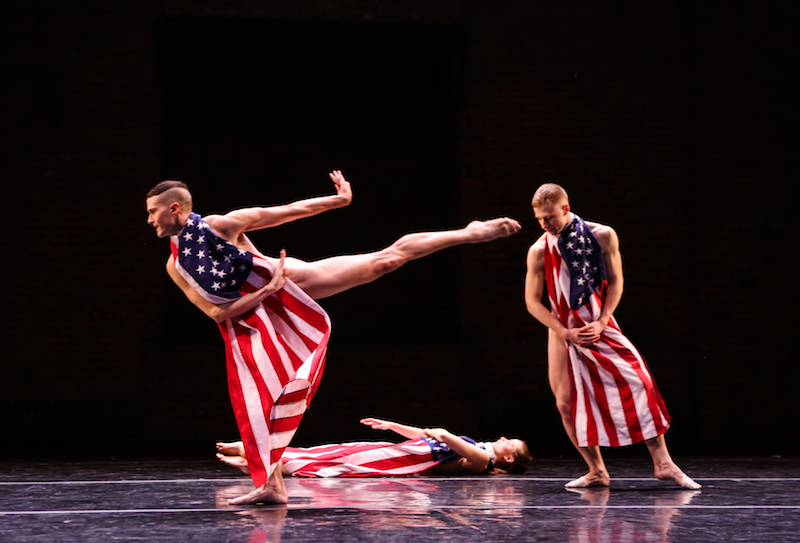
x=271 y=492
x=561 y=385
x=664 y=467
x=323 y=278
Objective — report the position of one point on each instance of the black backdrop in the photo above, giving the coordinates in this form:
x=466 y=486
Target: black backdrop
x=675 y=123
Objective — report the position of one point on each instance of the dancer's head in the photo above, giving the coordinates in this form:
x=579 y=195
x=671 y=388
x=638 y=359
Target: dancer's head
x=168 y=206
x=551 y=207
x=511 y=455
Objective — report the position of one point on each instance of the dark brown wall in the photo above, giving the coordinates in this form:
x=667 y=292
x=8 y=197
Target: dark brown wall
x=674 y=122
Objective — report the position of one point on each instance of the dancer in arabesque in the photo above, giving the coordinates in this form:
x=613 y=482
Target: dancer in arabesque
x=275 y=333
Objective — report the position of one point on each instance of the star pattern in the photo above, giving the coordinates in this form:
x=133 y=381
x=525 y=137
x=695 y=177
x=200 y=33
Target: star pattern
x=218 y=266
x=587 y=269
x=441 y=451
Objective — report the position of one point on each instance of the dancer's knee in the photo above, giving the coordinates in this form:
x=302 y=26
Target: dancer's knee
x=564 y=408
x=386 y=262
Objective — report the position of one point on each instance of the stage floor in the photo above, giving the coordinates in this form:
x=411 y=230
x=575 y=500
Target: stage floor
x=743 y=499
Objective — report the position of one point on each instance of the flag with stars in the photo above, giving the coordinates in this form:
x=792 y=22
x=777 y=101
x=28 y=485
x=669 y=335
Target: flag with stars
x=584 y=256
x=218 y=269
x=369 y=459
x=275 y=352
x=615 y=400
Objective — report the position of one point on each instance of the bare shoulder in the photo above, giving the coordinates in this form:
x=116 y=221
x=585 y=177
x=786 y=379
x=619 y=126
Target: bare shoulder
x=214 y=220
x=535 y=257
x=224 y=226
x=605 y=234
x=537 y=249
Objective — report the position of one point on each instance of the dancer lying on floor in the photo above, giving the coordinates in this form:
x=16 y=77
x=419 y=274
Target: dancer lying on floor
x=431 y=450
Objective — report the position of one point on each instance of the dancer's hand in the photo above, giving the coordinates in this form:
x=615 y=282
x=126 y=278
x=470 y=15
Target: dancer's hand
x=343 y=189
x=279 y=277
x=439 y=434
x=590 y=334
x=377 y=424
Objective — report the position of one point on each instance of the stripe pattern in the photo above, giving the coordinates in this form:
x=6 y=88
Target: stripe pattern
x=361 y=459
x=275 y=356
x=615 y=401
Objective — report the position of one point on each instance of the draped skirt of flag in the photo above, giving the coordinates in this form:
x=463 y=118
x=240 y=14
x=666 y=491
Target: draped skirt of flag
x=275 y=356
x=615 y=401
x=360 y=459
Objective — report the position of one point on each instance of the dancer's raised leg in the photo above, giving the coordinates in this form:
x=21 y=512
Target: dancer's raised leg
x=323 y=278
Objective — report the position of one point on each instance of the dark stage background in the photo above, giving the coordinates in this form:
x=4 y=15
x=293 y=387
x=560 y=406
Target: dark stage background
x=675 y=122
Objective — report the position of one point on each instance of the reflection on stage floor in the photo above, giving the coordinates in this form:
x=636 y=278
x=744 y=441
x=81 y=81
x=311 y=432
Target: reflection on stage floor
x=746 y=499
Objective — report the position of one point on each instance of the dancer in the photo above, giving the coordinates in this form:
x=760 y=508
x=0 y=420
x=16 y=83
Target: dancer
x=275 y=333
x=431 y=450
x=602 y=386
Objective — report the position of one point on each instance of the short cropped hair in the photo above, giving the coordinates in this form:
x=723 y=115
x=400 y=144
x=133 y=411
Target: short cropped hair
x=549 y=192
x=173 y=190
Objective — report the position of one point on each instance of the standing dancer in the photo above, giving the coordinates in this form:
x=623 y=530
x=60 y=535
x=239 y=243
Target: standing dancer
x=275 y=334
x=431 y=450
x=602 y=386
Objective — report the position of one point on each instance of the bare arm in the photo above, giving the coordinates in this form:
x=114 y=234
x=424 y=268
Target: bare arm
x=231 y=225
x=613 y=258
x=222 y=312
x=409 y=432
x=534 y=289
x=609 y=242
x=473 y=458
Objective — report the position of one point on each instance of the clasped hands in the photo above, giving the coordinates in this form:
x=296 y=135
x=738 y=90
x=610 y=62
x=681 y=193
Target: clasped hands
x=585 y=336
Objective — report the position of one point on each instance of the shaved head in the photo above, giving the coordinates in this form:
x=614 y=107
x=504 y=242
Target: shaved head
x=172 y=191
x=549 y=192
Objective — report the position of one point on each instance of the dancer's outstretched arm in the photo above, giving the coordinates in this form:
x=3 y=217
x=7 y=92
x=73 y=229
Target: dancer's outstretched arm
x=231 y=225
x=409 y=432
x=473 y=458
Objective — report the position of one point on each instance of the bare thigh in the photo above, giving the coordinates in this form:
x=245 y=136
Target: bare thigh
x=329 y=276
x=558 y=368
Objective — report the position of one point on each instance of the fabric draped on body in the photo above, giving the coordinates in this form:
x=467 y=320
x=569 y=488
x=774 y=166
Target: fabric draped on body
x=275 y=352
x=615 y=401
x=369 y=458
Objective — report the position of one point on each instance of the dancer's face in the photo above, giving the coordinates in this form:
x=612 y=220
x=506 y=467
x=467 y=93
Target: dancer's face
x=507 y=449
x=553 y=218
x=163 y=217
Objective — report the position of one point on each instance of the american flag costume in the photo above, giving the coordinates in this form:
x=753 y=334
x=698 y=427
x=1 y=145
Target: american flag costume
x=372 y=458
x=615 y=400
x=275 y=352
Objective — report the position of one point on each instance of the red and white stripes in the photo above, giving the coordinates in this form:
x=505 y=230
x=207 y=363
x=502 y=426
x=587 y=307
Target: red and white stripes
x=615 y=400
x=360 y=459
x=275 y=358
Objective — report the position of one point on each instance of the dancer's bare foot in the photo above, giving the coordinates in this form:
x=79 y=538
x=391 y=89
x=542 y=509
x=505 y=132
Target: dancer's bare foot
x=492 y=229
x=671 y=472
x=266 y=494
x=234 y=448
x=238 y=462
x=590 y=480
x=271 y=492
